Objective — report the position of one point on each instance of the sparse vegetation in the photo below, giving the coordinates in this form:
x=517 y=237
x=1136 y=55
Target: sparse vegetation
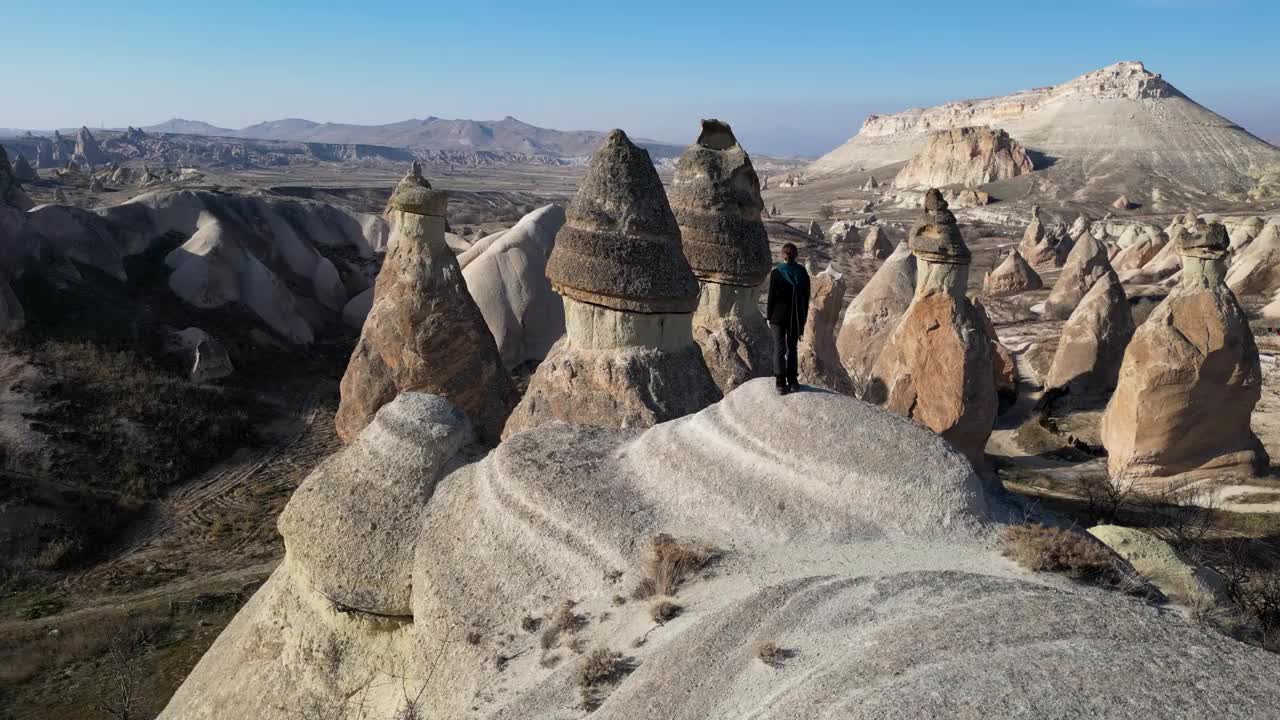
x=667 y=565
x=602 y=667
x=826 y=211
x=771 y=654
x=1049 y=549
x=564 y=621
x=663 y=610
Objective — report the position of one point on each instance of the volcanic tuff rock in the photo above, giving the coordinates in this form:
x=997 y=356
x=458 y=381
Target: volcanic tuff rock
x=508 y=281
x=424 y=332
x=877 y=244
x=1011 y=277
x=1148 y=243
x=715 y=195
x=628 y=357
x=1256 y=268
x=1038 y=246
x=1082 y=124
x=87 y=149
x=620 y=246
x=10 y=193
x=1086 y=262
x=22 y=170
x=818 y=359
x=1189 y=382
x=872 y=316
x=969 y=156
x=843 y=231
x=875 y=520
x=936 y=367
x=1092 y=342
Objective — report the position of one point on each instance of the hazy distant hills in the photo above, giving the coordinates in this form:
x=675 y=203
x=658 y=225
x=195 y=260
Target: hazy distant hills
x=506 y=135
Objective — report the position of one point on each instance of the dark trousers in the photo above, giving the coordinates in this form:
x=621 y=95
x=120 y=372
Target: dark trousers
x=784 y=353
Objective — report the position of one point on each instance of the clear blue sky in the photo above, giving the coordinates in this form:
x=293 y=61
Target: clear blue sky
x=795 y=76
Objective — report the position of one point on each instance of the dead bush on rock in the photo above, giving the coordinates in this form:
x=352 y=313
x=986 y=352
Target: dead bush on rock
x=667 y=565
x=602 y=668
x=1068 y=552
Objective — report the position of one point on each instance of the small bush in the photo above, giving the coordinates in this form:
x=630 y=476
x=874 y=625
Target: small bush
x=564 y=621
x=663 y=610
x=770 y=654
x=602 y=667
x=668 y=564
x=1049 y=549
x=826 y=211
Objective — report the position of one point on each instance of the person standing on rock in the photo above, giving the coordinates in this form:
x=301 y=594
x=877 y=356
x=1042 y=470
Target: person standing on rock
x=787 y=310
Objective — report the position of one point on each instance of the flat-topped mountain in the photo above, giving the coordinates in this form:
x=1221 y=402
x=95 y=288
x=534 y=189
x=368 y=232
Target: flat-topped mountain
x=1119 y=124
x=432 y=133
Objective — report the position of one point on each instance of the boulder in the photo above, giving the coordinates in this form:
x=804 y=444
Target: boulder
x=1011 y=277
x=1037 y=246
x=872 y=316
x=936 y=367
x=969 y=156
x=508 y=281
x=843 y=232
x=877 y=243
x=424 y=332
x=1189 y=381
x=1122 y=203
x=871 y=184
x=819 y=362
x=206 y=356
x=716 y=200
x=1245 y=232
x=1092 y=342
x=1256 y=269
x=1141 y=251
x=628 y=358
x=1085 y=264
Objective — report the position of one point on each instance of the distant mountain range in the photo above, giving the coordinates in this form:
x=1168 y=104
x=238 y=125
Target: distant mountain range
x=433 y=133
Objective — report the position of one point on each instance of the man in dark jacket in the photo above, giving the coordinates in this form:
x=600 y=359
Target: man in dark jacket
x=786 y=311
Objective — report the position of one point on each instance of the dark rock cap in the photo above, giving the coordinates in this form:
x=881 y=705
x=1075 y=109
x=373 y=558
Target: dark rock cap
x=620 y=245
x=716 y=199
x=936 y=238
x=1203 y=240
x=415 y=195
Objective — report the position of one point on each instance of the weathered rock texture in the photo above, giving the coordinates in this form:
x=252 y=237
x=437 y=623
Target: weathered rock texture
x=1189 y=382
x=936 y=367
x=1092 y=343
x=1011 y=277
x=872 y=316
x=1085 y=264
x=867 y=555
x=715 y=196
x=628 y=358
x=843 y=232
x=22 y=170
x=1256 y=269
x=10 y=193
x=1148 y=243
x=87 y=148
x=508 y=280
x=424 y=332
x=877 y=244
x=969 y=156
x=819 y=360
x=1038 y=246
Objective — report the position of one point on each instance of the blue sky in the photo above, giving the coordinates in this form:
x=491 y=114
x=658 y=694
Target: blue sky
x=792 y=77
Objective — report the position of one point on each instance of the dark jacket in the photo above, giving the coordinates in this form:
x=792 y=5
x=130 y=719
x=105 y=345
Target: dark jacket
x=788 y=303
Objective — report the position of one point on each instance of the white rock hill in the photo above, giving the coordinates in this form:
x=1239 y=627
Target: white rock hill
x=858 y=542
x=1120 y=117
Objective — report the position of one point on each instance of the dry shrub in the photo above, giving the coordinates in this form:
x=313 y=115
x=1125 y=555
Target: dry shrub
x=770 y=654
x=564 y=621
x=1252 y=579
x=1071 y=553
x=663 y=610
x=602 y=667
x=668 y=564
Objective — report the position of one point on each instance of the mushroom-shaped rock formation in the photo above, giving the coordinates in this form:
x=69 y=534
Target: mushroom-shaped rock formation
x=628 y=358
x=715 y=196
x=508 y=280
x=867 y=555
x=872 y=316
x=877 y=244
x=818 y=359
x=1256 y=269
x=1092 y=342
x=1011 y=277
x=936 y=367
x=1189 y=381
x=1085 y=264
x=424 y=332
